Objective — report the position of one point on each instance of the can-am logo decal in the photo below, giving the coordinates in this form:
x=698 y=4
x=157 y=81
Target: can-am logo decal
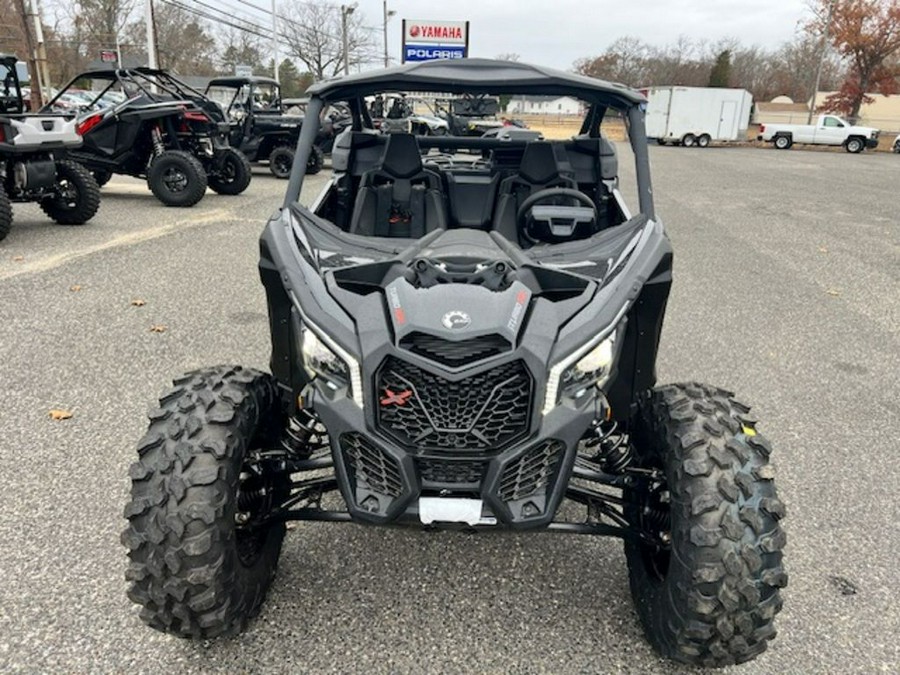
x=395 y=398
x=456 y=320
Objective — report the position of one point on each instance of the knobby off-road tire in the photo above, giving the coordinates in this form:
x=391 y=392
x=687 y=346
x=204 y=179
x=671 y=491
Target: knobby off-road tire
x=77 y=198
x=194 y=572
x=234 y=173
x=281 y=159
x=316 y=161
x=711 y=600
x=177 y=178
x=6 y=214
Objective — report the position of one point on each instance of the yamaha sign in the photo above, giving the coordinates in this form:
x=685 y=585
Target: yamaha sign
x=430 y=40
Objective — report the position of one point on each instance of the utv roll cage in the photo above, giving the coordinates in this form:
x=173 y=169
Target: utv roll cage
x=482 y=76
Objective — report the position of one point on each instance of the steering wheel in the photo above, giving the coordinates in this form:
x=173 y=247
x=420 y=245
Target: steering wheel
x=551 y=193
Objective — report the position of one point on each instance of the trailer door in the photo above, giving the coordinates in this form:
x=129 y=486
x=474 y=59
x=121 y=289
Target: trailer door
x=657 y=120
x=727 y=121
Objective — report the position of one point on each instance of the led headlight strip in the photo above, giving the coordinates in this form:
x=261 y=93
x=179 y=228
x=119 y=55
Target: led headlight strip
x=616 y=332
x=356 y=388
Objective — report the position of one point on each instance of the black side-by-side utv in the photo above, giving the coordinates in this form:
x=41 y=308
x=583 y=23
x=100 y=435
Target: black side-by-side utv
x=33 y=160
x=260 y=127
x=465 y=344
x=162 y=131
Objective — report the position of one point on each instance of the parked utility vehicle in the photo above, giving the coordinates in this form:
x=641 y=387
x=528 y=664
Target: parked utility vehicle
x=697 y=116
x=464 y=345
x=162 y=131
x=33 y=164
x=828 y=130
x=259 y=125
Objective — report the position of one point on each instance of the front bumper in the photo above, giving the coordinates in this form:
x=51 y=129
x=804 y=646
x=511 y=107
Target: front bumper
x=521 y=486
x=871 y=143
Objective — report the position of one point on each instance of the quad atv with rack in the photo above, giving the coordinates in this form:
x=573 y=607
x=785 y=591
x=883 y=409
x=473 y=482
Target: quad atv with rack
x=260 y=127
x=33 y=163
x=164 y=131
x=464 y=345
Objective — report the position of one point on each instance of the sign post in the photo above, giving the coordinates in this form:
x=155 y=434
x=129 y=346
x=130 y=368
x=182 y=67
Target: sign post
x=431 y=40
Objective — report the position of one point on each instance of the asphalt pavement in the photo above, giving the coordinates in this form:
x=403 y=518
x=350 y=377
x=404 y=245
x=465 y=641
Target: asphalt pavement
x=787 y=291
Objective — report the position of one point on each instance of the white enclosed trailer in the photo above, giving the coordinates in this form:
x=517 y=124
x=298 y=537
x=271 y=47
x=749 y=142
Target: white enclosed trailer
x=696 y=116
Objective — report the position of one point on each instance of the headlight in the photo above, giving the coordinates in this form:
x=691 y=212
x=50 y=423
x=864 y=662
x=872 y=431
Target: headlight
x=323 y=358
x=588 y=367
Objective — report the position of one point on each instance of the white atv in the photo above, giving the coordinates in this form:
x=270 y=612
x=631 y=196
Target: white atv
x=33 y=167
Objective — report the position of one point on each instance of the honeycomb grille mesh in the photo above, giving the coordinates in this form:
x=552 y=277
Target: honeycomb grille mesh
x=447 y=472
x=480 y=413
x=531 y=472
x=371 y=467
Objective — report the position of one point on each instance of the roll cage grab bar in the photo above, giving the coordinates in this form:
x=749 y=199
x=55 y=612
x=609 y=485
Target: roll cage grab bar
x=634 y=122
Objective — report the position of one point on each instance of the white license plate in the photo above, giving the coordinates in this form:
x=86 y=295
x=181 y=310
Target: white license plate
x=452 y=510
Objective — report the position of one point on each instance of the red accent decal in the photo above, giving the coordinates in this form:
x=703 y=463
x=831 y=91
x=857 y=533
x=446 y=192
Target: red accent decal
x=400 y=315
x=390 y=398
x=521 y=297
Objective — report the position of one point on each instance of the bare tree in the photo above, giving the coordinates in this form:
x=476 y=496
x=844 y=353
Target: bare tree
x=312 y=32
x=185 y=43
x=508 y=56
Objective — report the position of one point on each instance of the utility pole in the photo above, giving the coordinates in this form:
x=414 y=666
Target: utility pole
x=151 y=33
x=815 y=91
x=346 y=10
x=387 y=16
x=43 y=70
x=275 y=41
x=24 y=15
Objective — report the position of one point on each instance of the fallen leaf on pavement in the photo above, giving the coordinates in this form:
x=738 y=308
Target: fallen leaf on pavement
x=18 y=258
x=833 y=292
x=138 y=303
x=157 y=329
x=822 y=249
x=75 y=288
x=60 y=414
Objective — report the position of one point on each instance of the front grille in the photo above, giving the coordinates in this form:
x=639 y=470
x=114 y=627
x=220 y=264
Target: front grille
x=531 y=472
x=424 y=411
x=446 y=471
x=455 y=354
x=371 y=467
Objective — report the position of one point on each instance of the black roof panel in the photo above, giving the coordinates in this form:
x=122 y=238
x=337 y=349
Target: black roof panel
x=477 y=76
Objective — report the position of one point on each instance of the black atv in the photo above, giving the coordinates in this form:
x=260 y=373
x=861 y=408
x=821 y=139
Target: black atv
x=260 y=127
x=464 y=345
x=33 y=164
x=161 y=130
x=470 y=115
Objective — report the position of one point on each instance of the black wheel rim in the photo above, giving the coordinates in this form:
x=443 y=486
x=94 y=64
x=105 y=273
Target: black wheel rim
x=67 y=194
x=175 y=179
x=229 y=170
x=283 y=162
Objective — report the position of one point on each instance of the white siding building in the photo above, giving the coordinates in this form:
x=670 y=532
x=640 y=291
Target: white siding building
x=545 y=105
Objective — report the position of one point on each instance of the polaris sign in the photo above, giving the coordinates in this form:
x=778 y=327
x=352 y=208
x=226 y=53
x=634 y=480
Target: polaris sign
x=423 y=53
x=431 y=40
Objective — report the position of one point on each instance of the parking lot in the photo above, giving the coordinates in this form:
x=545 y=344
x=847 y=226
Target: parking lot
x=787 y=291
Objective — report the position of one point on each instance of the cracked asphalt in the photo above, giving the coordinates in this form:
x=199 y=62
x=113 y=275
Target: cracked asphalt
x=787 y=291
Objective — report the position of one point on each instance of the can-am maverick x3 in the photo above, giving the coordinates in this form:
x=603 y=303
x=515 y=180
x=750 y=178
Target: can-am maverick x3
x=464 y=344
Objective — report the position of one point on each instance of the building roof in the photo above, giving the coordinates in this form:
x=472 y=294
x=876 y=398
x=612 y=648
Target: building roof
x=478 y=76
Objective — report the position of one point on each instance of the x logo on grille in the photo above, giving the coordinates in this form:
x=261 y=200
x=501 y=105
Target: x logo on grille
x=392 y=398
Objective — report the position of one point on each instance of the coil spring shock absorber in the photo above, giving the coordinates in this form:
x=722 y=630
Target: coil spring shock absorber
x=612 y=451
x=297 y=434
x=156 y=137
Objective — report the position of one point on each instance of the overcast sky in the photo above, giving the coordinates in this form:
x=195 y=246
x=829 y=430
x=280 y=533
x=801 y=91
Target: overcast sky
x=557 y=32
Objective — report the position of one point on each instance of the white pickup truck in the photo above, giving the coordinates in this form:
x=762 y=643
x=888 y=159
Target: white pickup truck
x=828 y=130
